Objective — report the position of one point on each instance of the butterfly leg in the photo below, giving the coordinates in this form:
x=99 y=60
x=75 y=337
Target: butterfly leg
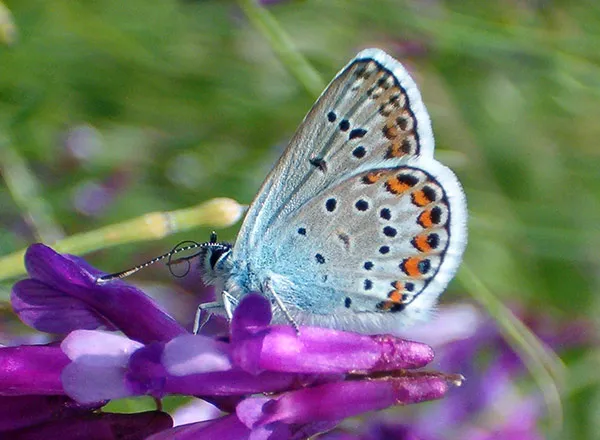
x=281 y=305
x=203 y=314
x=205 y=310
x=228 y=301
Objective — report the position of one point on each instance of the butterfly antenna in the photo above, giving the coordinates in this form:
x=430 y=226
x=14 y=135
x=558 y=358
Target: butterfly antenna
x=177 y=249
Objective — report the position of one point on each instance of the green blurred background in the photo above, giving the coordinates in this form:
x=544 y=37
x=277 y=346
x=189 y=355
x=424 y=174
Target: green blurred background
x=111 y=109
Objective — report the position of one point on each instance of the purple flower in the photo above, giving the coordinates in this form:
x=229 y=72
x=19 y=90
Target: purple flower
x=106 y=366
x=490 y=405
x=314 y=378
x=338 y=400
x=33 y=404
x=62 y=295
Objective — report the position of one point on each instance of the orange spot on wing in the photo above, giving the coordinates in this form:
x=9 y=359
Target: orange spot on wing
x=395 y=186
x=386 y=305
x=420 y=242
x=395 y=296
x=372 y=177
x=411 y=266
x=390 y=306
x=390 y=130
x=420 y=199
x=425 y=219
x=396 y=149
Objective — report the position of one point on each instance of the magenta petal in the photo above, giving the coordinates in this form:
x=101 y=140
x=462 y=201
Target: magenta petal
x=252 y=313
x=136 y=315
x=99 y=367
x=339 y=400
x=31 y=370
x=273 y=431
x=319 y=350
x=310 y=430
x=49 y=310
x=225 y=428
x=230 y=383
x=145 y=372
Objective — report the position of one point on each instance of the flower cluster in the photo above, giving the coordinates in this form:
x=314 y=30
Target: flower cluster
x=492 y=404
x=271 y=381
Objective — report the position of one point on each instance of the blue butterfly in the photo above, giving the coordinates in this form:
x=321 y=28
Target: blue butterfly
x=357 y=227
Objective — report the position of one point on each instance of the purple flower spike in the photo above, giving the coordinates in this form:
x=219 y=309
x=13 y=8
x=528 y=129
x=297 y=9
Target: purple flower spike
x=18 y=365
x=257 y=347
x=62 y=295
x=321 y=376
x=335 y=401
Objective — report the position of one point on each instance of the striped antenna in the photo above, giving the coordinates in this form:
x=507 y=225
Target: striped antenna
x=177 y=249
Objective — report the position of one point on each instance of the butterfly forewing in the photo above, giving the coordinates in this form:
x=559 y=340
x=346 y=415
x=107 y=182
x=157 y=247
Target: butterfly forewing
x=371 y=115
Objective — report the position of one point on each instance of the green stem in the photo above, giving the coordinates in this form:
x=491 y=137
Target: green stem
x=283 y=46
x=155 y=225
x=543 y=364
x=24 y=189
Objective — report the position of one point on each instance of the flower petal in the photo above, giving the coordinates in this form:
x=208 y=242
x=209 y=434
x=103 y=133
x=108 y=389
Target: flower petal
x=135 y=314
x=225 y=428
x=192 y=354
x=64 y=296
x=31 y=370
x=339 y=400
x=320 y=350
x=46 y=265
x=87 y=383
x=252 y=313
x=49 y=310
x=99 y=426
x=231 y=383
x=98 y=370
x=97 y=348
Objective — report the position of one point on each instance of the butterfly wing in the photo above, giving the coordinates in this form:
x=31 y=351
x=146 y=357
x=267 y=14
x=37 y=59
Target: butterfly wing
x=371 y=115
x=374 y=252
x=318 y=228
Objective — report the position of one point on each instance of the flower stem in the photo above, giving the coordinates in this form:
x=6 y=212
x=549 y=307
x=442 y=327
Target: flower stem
x=24 y=189
x=218 y=213
x=283 y=46
x=543 y=364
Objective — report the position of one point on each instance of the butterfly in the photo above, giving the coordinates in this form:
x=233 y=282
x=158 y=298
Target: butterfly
x=357 y=227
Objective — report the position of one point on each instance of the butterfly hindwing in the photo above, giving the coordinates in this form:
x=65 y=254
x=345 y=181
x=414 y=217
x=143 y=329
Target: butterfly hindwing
x=383 y=242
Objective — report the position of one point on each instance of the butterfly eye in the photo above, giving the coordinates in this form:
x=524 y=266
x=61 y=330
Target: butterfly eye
x=216 y=255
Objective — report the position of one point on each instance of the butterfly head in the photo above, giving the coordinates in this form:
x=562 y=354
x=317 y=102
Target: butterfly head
x=214 y=260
